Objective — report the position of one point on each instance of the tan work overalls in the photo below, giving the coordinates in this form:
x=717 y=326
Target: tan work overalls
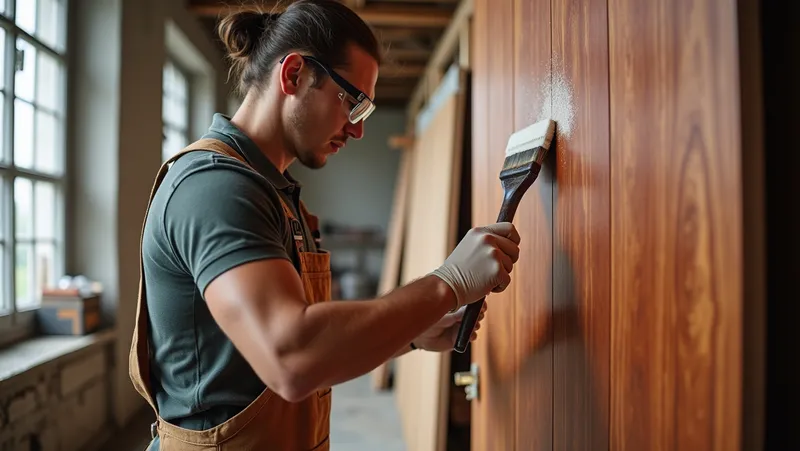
x=269 y=422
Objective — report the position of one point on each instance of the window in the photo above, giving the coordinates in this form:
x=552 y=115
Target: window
x=32 y=143
x=175 y=109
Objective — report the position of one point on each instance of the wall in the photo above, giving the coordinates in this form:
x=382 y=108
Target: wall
x=114 y=148
x=63 y=403
x=623 y=327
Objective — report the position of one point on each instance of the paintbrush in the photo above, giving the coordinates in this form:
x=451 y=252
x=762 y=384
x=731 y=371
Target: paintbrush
x=525 y=153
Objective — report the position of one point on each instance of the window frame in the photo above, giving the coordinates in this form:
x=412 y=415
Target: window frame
x=19 y=324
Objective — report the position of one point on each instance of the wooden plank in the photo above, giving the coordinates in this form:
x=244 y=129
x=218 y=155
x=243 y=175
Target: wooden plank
x=481 y=87
x=464 y=46
x=390 y=272
x=443 y=2
x=388 y=34
x=494 y=351
x=395 y=54
x=424 y=377
x=385 y=93
x=449 y=41
x=355 y=4
x=581 y=258
x=445 y=47
x=383 y=15
x=531 y=363
x=401 y=70
x=676 y=231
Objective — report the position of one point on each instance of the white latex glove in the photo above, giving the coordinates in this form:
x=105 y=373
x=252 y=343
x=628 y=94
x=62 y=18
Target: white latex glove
x=481 y=262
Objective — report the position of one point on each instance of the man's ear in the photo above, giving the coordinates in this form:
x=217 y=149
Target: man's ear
x=290 y=73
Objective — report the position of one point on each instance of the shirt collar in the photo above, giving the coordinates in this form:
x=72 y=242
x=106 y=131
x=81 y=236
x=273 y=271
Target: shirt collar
x=250 y=151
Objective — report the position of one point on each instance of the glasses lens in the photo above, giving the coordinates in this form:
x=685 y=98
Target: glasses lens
x=361 y=111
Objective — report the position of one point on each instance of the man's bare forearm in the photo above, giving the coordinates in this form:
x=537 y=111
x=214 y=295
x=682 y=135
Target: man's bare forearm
x=340 y=340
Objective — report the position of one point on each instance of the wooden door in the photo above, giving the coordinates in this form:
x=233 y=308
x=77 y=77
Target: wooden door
x=622 y=327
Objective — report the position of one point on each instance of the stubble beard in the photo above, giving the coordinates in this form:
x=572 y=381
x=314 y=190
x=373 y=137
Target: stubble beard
x=308 y=157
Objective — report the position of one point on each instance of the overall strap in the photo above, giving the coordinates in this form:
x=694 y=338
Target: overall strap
x=295 y=227
x=139 y=356
x=313 y=224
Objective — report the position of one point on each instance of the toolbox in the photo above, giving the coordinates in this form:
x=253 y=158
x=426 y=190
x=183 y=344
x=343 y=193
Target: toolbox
x=67 y=312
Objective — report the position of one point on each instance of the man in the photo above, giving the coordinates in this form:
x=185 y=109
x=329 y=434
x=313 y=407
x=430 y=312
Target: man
x=236 y=346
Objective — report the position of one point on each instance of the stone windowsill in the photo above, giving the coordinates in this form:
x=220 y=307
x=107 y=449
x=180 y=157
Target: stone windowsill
x=34 y=352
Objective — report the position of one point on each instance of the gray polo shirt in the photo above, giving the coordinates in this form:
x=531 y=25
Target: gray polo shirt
x=210 y=214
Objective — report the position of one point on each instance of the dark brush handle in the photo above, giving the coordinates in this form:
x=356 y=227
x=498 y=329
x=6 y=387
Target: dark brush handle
x=514 y=188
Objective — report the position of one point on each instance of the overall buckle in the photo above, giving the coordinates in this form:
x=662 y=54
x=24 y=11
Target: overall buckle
x=153 y=430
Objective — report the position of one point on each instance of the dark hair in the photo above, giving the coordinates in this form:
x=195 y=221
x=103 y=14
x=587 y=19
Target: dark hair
x=257 y=40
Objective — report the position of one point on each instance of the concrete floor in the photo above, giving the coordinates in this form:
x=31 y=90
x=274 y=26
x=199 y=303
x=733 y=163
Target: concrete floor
x=361 y=420
x=364 y=420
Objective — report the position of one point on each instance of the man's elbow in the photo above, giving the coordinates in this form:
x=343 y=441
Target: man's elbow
x=294 y=384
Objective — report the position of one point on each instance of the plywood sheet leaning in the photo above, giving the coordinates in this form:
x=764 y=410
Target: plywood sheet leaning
x=390 y=274
x=422 y=378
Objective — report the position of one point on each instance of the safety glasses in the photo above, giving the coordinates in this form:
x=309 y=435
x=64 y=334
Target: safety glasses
x=361 y=105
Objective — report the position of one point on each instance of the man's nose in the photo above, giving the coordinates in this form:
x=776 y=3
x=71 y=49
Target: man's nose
x=355 y=131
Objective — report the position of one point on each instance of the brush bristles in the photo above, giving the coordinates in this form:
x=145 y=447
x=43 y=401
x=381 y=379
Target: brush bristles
x=520 y=159
x=539 y=134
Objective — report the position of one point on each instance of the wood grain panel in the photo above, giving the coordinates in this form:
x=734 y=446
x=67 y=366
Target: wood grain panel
x=481 y=181
x=424 y=377
x=581 y=258
x=498 y=379
x=494 y=351
x=532 y=365
x=676 y=227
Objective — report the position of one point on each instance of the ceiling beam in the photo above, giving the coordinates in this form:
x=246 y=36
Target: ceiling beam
x=377 y=15
x=384 y=93
x=402 y=34
x=355 y=4
x=397 y=54
x=401 y=71
x=442 y=2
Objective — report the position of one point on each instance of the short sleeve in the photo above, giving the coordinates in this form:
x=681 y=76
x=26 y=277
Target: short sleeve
x=217 y=219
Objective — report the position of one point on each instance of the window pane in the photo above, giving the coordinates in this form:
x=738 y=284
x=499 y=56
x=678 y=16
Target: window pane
x=23 y=208
x=169 y=78
x=24 y=276
x=2 y=53
x=166 y=113
x=23 y=134
x=45 y=214
x=24 y=80
x=180 y=86
x=3 y=212
x=179 y=114
x=26 y=15
x=3 y=155
x=50 y=27
x=175 y=142
x=5 y=306
x=45 y=267
x=48 y=143
x=49 y=81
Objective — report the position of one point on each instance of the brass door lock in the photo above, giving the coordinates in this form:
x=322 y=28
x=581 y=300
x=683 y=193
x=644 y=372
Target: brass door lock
x=468 y=380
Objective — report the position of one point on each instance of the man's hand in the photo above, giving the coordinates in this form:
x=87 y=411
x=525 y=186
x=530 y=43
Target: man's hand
x=481 y=262
x=442 y=335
